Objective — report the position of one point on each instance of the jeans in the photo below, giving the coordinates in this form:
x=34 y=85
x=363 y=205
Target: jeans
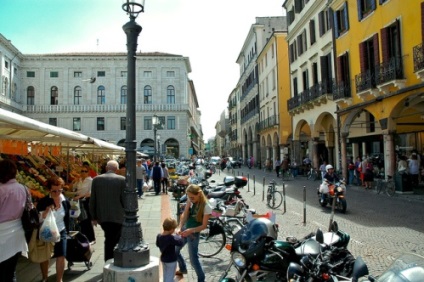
x=140 y=187
x=168 y=269
x=192 y=242
x=351 y=176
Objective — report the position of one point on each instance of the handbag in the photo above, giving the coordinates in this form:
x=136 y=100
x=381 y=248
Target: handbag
x=39 y=251
x=29 y=218
x=83 y=212
x=48 y=231
x=75 y=210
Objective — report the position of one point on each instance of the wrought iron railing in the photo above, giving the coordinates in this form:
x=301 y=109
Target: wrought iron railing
x=293 y=102
x=268 y=122
x=365 y=81
x=249 y=115
x=418 y=57
x=341 y=90
x=391 y=70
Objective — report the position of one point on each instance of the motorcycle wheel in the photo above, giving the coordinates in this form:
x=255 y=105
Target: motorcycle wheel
x=343 y=205
x=211 y=245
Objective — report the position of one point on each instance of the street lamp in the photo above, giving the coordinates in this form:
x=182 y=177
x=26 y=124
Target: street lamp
x=158 y=138
x=131 y=251
x=155 y=123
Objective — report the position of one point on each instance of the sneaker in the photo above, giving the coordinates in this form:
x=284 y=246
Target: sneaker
x=180 y=273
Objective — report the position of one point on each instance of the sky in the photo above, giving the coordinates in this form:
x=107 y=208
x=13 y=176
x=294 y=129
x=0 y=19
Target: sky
x=210 y=33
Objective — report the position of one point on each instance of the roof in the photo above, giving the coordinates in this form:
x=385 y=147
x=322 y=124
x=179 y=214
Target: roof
x=17 y=127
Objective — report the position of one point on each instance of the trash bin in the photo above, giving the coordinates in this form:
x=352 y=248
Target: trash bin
x=401 y=182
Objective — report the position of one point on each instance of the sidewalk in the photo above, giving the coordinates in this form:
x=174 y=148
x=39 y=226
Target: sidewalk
x=152 y=210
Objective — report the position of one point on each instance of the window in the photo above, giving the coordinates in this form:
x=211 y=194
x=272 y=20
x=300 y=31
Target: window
x=295 y=90
x=76 y=124
x=170 y=95
x=343 y=75
x=54 y=96
x=369 y=55
x=293 y=52
x=324 y=22
x=77 y=95
x=314 y=73
x=341 y=20
x=148 y=123
x=124 y=74
x=326 y=73
x=101 y=96
x=101 y=74
x=100 y=123
x=147 y=74
x=365 y=7
x=273 y=79
x=6 y=64
x=170 y=74
x=30 y=95
x=170 y=123
x=124 y=94
x=54 y=74
x=305 y=79
x=290 y=17
x=312 y=37
x=77 y=73
x=123 y=123
x=53 y=121
x=147 y=94
x=30 y=73
x=390 y=42
x=302 y=44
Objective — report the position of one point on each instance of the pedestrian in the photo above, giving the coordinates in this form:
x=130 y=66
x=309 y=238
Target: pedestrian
x=277 y=165
x=106 y=205
x=166 y=242
x=165 y=178
x=140 y=171
x=351 y=171
x=91 y=172
x=83 y=194
x=414 y=170
x=323 y=169
x=157 y=176
x=193 y=220
x=369 y=174
x=56 y=203
x=284 y=165
x=358 y=169
x=12 y=203
x=252 y=162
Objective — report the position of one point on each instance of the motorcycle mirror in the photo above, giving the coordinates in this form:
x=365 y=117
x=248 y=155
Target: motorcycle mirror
x=359 y=269
x=319 y=236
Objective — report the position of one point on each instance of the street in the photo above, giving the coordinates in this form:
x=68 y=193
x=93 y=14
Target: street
x=381 y=227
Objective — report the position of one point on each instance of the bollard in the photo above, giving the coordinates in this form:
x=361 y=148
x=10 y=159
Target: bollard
x=333 y=205
x=284 y=198
x=254 y=186
x=263 y=191
x=248 y=184
x=304 y=205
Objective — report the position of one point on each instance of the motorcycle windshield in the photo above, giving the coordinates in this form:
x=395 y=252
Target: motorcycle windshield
x=406 y=268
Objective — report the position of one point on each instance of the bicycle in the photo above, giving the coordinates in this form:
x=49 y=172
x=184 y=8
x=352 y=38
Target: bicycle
x=313 y=174
x=274 y=198
x=287 y=175
x=387 y=184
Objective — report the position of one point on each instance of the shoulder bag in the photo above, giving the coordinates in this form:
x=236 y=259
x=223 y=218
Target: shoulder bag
x=29 y=218
x=39 y=251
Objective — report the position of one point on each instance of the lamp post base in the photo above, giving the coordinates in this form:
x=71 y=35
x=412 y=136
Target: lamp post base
x=148 y=272
x=132 y=258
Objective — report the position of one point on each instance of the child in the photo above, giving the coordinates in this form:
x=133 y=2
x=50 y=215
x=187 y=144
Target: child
x=166 y=241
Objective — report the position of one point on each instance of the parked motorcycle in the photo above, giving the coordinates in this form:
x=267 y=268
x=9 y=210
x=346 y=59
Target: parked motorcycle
x=333 y=192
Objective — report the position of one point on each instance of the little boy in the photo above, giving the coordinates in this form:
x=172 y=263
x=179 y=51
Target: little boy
x=166 y=241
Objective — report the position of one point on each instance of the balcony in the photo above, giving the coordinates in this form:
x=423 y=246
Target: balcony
x=342 y=93
x=418 y=52
x=249 y=115
x=366 y=85
x=390 y=75
x=269 y=122
x=309 y=98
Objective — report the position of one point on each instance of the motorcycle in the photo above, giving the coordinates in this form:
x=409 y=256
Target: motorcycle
x=406 y=268
x=258 y=256
x=333 y=192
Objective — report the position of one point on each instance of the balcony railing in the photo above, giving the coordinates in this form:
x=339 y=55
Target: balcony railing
x=249 y=115
x=293 y=102
x=341 y=90
x=365 y=81
x=389 y=71
x=418 y=52
x=268 y=122
x=104 y=108
x=311 y=94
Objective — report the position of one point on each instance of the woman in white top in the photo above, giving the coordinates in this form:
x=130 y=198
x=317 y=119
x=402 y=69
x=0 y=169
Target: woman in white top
x=83 y=189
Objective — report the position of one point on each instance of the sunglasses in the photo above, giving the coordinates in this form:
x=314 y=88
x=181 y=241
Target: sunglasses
x=56 y=191
x=84 y=170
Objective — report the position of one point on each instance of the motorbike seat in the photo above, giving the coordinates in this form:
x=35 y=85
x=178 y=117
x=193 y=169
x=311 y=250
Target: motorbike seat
x=330 y=238
x=216 y=194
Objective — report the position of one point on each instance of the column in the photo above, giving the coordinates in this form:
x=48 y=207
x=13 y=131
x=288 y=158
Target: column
x=344 y=156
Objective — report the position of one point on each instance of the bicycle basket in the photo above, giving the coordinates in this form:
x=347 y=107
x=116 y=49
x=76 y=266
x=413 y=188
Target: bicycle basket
x=234 y=210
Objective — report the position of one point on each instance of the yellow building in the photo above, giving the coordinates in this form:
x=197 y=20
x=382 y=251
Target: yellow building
x=379 y=85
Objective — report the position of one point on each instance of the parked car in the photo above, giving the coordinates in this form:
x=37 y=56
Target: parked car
x=234 y=163
x=215 y=161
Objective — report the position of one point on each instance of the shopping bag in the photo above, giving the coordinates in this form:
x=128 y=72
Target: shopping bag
x=75 y=210
x=145 y=187
x=39 y=251
x=48 y=230
x=83 y=215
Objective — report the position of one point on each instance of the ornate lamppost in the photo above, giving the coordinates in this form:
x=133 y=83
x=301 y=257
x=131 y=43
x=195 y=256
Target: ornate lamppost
x=156 y=124
x=131 y=251
x=158 y=156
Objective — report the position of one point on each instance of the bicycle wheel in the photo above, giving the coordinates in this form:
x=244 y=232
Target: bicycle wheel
x=379 y=186
x=231 y=227
x=276 y=200
x=211 y=245
x=390 y=188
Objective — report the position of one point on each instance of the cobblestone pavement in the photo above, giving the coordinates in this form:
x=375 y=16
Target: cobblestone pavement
x=381 y=227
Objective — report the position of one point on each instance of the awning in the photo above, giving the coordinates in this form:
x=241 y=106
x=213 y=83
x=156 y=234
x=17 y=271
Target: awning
x=17 y=127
